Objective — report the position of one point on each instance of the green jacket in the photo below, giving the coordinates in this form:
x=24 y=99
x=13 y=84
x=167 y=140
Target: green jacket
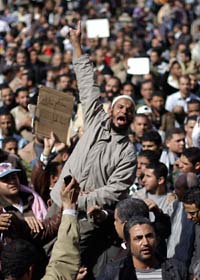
x=65 y=259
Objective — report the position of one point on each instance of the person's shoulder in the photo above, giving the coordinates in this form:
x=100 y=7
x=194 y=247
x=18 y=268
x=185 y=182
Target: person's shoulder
x=129 y=148
x=176 y=264
x=112 y=269
x=14 y=110
x=173 y=95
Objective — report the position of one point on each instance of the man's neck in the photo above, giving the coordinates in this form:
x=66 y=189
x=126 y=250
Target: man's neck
x=23 y=109
x=160 y=190
x=148 y=264
x=184 y=95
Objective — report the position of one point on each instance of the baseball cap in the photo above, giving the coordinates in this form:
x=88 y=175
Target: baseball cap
x=6 y=168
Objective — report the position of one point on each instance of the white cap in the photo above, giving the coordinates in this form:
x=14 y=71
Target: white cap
x=120 y=97
x=144 y=110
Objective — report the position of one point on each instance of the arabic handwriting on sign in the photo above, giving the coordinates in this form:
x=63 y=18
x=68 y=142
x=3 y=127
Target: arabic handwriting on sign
x=52 y=101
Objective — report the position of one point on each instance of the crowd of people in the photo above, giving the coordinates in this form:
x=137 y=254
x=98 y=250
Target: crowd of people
x=121 y=198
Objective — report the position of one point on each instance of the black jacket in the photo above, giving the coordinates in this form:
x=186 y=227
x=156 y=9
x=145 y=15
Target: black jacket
x=124 y=270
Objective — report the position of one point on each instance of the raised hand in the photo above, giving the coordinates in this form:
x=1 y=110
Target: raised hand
x=98 y=215
x=69 y=194
x=48 y=144
x=75 y=38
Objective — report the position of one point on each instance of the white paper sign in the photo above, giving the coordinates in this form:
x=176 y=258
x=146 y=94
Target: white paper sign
x=138 y=66
x=97 y=28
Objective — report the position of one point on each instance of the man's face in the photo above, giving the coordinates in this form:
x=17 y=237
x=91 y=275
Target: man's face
x=149 y=145
x=6 y=125
x=112 y=88
x=9 y=185
x=193 y=81
x=147 y=91
x=122 y=114
x=189 y=127
x=119 y=226
x=11 y=147
x=21 y=58
x=64 y=82
x=142 y=242
x=193 y=109
x=177 y=143
x=185 y=165
x=142 y=163
x=184 y=86
x=149 y=181
x=193 y=213
x=140 y=125
x=99 y=57
x=154 y=57
x=7 y=96
x=23 y=99
x=128 y=90
x=157 y=103
x=176 y=70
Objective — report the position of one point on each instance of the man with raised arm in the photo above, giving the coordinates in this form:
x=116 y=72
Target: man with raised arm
x=103 y=161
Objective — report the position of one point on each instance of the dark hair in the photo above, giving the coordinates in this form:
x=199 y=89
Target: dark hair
x=159 y=169
x=6 y=113
x=192 y=154
x=192 y=196
x=135 y=220
x=152 y=156
x=4 y=86
x=173 y=63
x=191 y=118
x=42 y=181
x=158 y=93
x=146 y=82
x=7 y=140
x=187 y=53
x=193 y=101
x=20 y=89
x=152 y=136
x=130 y=207
x=175 y=130
x=17 y=257
x=128 y=83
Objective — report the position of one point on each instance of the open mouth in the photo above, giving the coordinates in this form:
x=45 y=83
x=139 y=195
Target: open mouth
x=121 y=120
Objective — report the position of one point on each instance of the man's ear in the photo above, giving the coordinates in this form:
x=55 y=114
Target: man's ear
x=110 y=112
x=161 y=180
x=197 y=166
x=167 y=143
x=29 y=273
x=17 y=99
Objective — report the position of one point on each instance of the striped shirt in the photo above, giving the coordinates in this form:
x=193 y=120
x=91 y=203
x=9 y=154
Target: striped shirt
x=150 y=274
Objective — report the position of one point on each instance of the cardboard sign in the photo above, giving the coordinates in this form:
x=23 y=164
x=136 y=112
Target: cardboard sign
x=138 y=66
x=97 y=28
x=53 y=113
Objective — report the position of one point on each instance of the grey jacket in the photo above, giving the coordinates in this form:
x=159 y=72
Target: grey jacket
x=103 y=161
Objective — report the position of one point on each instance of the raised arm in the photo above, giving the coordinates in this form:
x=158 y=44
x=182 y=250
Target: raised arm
x=65 y=259
x=88 y=91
